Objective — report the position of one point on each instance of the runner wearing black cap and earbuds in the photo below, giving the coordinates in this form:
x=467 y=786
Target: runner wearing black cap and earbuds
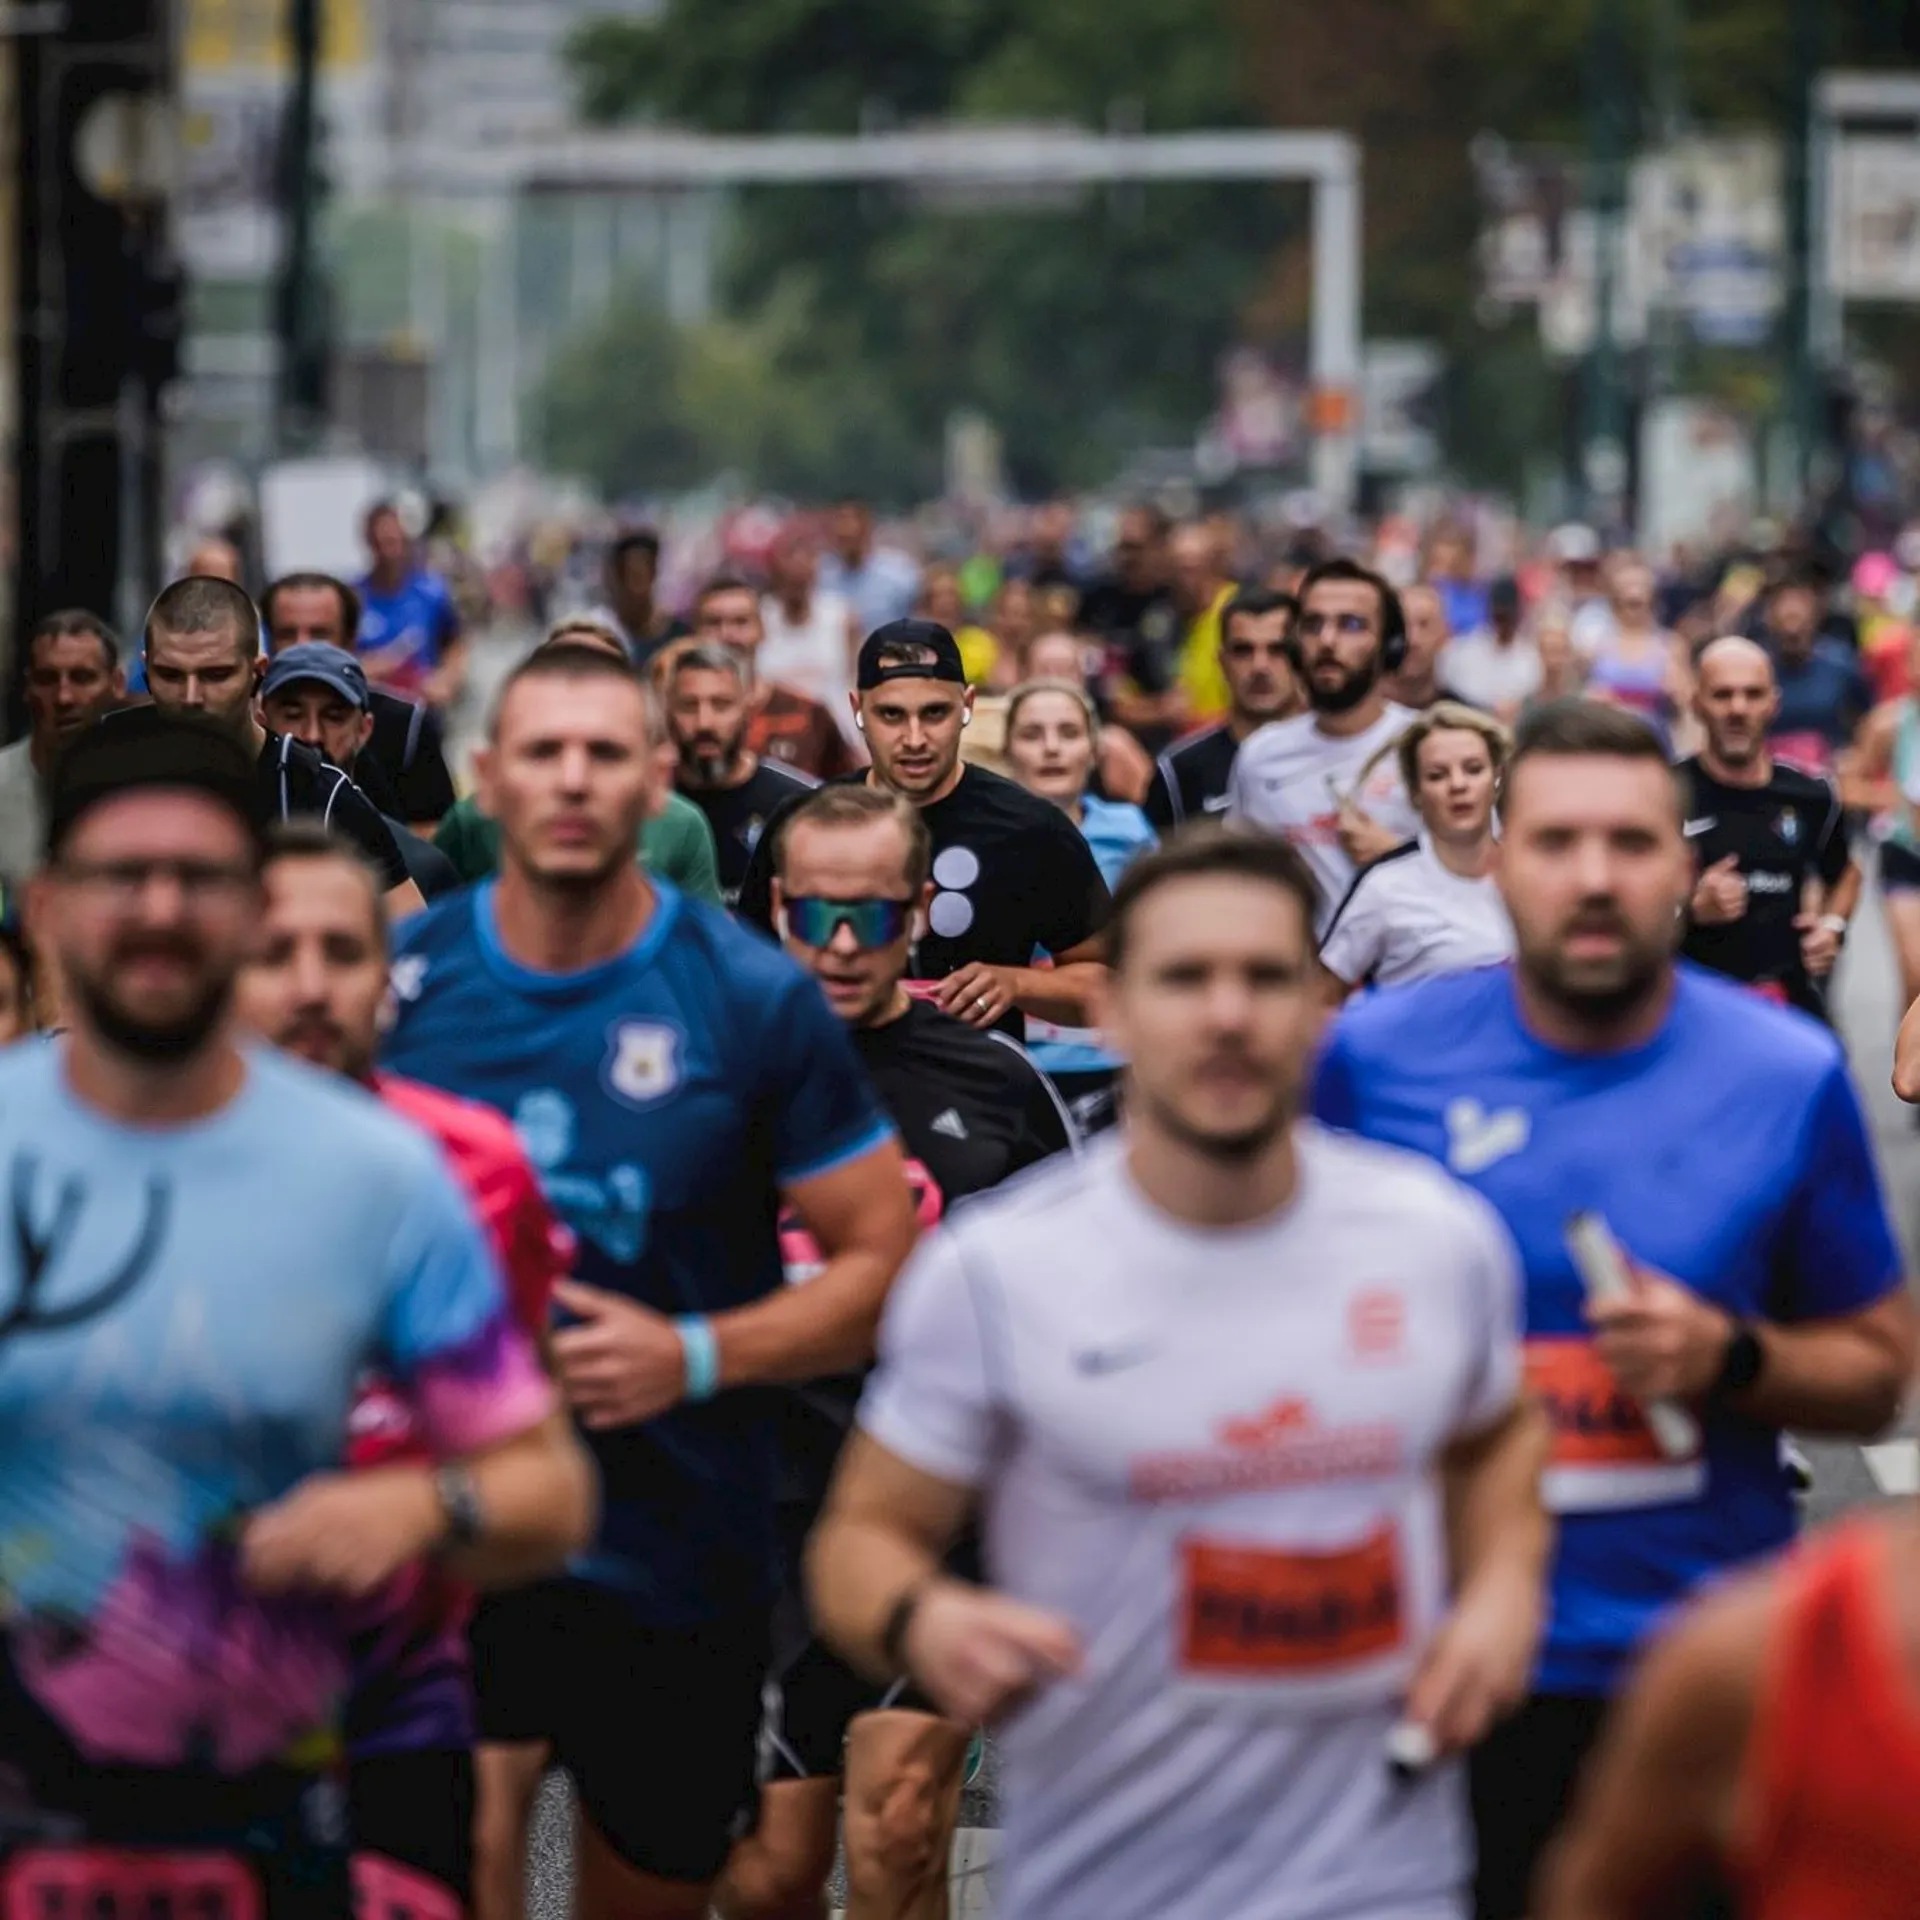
x=1012 y=877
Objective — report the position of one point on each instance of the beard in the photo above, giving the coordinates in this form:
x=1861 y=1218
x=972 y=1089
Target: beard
x=706 y=759
x=1346 y=693
x=1600 y=993
x=323 y=1042
x=148 y=1039
x=1235 y=1149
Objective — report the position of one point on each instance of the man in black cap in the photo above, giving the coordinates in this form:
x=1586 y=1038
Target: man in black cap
x=319 y=695
x=1012 y=875
x=406 y=743
x=202 y=652
x=207 y=1245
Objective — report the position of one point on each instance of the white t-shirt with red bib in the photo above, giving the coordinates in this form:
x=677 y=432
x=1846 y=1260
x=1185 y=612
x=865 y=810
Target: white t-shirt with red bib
x=1214 y=1452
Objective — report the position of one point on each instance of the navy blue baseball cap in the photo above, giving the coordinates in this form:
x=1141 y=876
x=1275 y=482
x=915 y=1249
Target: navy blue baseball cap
x=315 y=660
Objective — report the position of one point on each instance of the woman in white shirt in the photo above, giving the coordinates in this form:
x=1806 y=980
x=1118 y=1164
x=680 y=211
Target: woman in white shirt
x=1430 y=906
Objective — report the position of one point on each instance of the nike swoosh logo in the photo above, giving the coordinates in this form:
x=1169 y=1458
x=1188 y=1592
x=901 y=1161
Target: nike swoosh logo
x=1218 y=804
x=1477 y=1139
x=1706 y=824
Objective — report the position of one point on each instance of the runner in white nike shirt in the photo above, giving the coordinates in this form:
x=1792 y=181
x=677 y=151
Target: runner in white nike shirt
x=1232 y=1465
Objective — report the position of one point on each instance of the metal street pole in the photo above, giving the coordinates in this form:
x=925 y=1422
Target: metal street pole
x=1805 y=399
x=300 y=321
x=1603 y=454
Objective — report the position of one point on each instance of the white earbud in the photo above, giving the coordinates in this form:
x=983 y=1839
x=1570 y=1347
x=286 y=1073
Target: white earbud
x=966 y=719
x=860 y=722
x=780 y=923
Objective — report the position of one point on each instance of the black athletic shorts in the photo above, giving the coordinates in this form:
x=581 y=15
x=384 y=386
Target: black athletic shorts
x=658 y=1726
x=416 y=1808
x=814 y=1694
x=1899 y=868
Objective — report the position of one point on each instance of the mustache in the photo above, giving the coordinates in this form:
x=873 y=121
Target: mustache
x=158 y=946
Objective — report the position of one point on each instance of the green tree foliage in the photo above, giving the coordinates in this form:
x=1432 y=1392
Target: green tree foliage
x=1087 y=329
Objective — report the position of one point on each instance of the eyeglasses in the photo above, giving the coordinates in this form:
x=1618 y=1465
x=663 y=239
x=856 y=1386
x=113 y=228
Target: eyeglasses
x=875 y=923
x=1254 y=650
x=123 y=883
x=1313 y=625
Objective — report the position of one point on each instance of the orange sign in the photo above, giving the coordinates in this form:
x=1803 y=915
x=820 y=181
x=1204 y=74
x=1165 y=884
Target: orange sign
x=1596 y=1422
x=1267 y=1612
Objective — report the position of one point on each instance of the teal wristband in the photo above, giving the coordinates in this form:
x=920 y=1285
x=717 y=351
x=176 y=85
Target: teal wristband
x=701 y=1347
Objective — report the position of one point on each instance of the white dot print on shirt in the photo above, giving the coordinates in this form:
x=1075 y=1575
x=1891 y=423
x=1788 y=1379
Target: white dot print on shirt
x=951 y=913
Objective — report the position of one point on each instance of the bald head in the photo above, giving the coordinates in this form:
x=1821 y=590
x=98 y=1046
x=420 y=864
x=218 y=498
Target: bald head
x=1734 y=655
x=1736 y=700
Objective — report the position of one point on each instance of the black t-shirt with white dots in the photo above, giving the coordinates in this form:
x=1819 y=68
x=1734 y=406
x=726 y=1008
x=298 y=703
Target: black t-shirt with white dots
x=1012 y=875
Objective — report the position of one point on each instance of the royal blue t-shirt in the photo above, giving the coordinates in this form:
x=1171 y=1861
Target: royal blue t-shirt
x=1729 y=1151
x=404 y=633
x=1823 y=699
x=665 y=1097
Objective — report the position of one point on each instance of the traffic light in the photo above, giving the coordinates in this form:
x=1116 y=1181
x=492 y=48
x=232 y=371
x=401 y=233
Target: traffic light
x=100 y=299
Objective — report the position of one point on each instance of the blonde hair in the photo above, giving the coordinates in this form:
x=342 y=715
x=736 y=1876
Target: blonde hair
x=1450 y=716
x=1079 y=695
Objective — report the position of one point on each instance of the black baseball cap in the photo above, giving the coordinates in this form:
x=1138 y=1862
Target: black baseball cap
x=909 y=650
x=143 y=747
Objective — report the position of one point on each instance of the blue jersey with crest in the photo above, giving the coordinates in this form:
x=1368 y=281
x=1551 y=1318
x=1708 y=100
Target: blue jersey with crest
x=666 y=1096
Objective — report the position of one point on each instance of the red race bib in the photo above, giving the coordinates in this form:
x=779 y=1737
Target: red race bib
x=127 y=1883
x=1262 y=1613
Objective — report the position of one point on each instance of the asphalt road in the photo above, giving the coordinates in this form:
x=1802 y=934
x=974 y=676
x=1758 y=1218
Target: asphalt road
x=1845 y=1475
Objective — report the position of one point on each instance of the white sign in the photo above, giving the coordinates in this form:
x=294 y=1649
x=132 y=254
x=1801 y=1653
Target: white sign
x=1873 y=219
x=1709 y=235
x=1397 y=381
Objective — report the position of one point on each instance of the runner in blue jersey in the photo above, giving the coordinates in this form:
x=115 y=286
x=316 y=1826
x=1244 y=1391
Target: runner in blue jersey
x=410 y=640
x=208 y=1244
x=1722 y=1143
x=675 y=1079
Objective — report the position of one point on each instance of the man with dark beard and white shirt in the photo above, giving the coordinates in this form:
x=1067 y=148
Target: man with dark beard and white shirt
x=1326 y=781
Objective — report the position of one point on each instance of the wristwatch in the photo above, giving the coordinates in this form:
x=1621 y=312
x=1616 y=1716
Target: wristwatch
x=1741 y=1364
x=465 y=1519
x=893 y=1636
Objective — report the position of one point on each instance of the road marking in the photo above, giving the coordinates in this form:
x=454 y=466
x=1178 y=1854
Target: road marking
x=1895 y=1466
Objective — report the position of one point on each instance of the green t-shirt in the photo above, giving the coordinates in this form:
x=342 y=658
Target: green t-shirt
x=676 y=843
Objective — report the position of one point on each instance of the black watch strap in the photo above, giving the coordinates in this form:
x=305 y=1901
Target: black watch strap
x=893 y=1636
x=466 y=1518
x=1742 y=1363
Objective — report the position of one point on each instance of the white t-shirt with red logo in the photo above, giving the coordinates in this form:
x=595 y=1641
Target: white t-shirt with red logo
x=1214 y=1452
x=1291 y=778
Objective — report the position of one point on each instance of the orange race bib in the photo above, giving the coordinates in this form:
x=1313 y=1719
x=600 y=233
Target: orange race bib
x=385 y=1890
x=125 y=1883
x=1263 y=1613
x=1604 y=1454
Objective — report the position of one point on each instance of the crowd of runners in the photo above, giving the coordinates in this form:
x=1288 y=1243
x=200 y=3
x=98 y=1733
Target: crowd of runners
x=1229 y=1171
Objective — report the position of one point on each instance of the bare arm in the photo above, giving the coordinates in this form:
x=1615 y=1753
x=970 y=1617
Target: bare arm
x=1499 y=1539
x=1865 y=770
x=351 y=1532
x=861 y=1216
x=1906 y=1055
x=1656 y=1812
x=878 y=1545
x=1845 y=1375
x=1067 y=991
x=882 y=1532
x=541 y=1498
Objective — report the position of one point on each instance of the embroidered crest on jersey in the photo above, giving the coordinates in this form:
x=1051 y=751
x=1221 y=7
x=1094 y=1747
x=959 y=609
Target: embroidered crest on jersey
x=1788 y=826
x=407 y=976
x=646 y=1061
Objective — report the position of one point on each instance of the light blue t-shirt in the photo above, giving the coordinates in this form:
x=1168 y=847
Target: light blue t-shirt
x=184 y=1314
x=1729 y=1151
x=1118 y=833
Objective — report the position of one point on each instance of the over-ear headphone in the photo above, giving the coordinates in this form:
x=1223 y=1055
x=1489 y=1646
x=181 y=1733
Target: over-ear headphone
x=1393 y=631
